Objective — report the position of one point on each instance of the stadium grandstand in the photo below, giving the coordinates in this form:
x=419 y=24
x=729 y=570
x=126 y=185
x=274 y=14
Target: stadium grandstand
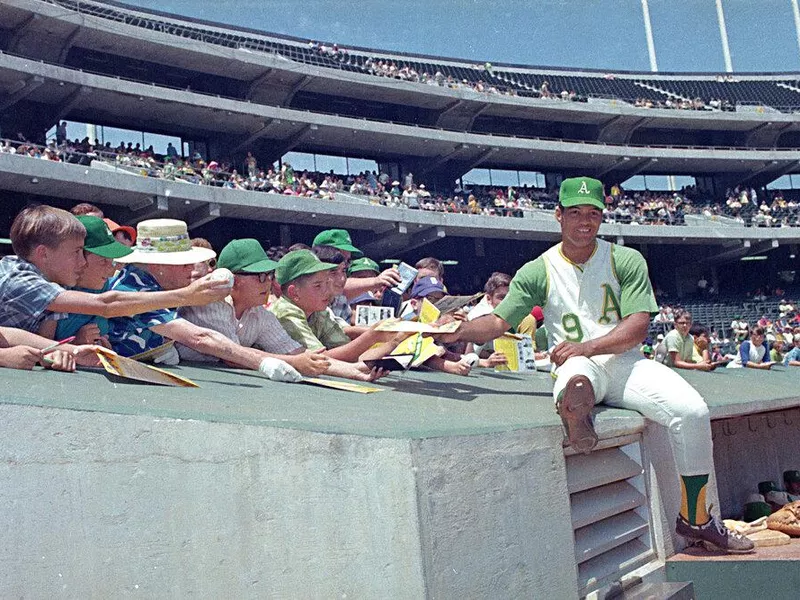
x=239 y=103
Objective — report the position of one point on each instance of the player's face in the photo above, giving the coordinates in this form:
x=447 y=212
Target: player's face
x=579 y=225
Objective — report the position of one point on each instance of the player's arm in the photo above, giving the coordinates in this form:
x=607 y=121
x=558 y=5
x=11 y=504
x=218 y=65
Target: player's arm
x=480 y=330
x=626 y=335
x=122 y=304
x=528 y=288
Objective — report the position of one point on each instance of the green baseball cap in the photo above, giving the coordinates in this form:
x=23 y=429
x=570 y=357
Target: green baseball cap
x=792 y=476
x=339 y=239
x=363 y=264
x=298 y=263
x=245 y=256
x=578 y=191
x=99 y=239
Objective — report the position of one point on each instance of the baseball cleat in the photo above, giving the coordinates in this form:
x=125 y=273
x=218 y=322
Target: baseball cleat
x=714 y=536
x=575 y=406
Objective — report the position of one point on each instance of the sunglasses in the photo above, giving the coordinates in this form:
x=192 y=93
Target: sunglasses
x=262 y=277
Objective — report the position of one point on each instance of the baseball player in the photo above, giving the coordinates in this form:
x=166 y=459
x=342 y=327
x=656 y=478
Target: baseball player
x=597 y=302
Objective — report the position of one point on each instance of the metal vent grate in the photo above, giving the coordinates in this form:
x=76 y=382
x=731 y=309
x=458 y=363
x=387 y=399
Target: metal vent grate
x=610 y=516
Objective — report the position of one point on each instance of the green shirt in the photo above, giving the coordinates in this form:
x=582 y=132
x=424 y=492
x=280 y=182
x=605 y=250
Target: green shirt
x=684 y=346
x=531 y=287
x=315 y=332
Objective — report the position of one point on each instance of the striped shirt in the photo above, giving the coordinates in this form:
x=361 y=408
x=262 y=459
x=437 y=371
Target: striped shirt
x=25 y=294
x=258 y=328
x=132 y=335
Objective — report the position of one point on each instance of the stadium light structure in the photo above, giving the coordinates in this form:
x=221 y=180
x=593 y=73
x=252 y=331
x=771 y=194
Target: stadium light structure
x=723 y=34
x=648 y=34
x=796 y=13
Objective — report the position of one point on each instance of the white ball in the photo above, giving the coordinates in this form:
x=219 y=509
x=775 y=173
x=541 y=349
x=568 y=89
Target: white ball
x=222 y=274
x=470 y=359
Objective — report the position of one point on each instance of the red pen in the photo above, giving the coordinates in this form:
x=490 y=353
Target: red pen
x=52 y=347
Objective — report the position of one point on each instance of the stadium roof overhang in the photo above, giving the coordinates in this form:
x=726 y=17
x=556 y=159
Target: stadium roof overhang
x=49 y=31
x=105 y=100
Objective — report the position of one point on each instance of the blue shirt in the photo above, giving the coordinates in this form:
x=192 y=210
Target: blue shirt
x=25 y=294
x=72 y=322
x=132 y=335
x=793 y=354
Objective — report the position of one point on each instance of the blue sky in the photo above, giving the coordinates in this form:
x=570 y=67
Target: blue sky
x=601 y=34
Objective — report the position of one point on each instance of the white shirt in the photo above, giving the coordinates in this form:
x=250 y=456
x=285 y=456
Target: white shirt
x=258 y=328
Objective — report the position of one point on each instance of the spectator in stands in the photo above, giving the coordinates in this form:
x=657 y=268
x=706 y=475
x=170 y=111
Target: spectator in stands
x=49 y=257
x=124 y=234
x=61 y=132
x=302 y=310
x=739 y=329
x=339 y=239
x=702 y=345
x=430 y=267
x=84 y=208
x=24 y=350
x=792 y=357
x=100 y=249
x=202 y=268
x=163 y=260
x=244 y=319
x=660 y=349
x=680 y=345
x=753 y=353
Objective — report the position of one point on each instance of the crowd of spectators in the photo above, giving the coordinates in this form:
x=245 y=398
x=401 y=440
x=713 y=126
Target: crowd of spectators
x=742 y=204
x=487 y=81
x=778 y=331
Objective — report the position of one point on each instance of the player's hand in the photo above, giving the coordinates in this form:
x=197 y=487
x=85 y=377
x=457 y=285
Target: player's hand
x=388 y=278
x=19 y=357
x=88 y=334
x=59 y=360
x=495 y=359
x=205 y=291
x=566 y=350
x=309 y=364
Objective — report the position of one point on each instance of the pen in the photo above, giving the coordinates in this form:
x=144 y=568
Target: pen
x=52 y=347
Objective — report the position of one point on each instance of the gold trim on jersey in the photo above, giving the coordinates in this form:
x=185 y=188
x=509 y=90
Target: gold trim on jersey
x=578 y=266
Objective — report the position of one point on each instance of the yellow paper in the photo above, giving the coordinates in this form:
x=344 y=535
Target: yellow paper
x=507 y=346
x=395 y=326
x=422 y=347
x=130 y=369
x=518 y=351
x=428 y=313
x=342 y=385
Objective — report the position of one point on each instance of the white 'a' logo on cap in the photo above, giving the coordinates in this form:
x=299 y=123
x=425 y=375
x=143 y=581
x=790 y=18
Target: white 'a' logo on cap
x=584 y=189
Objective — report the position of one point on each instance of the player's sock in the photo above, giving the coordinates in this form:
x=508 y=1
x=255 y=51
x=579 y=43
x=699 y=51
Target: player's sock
x=693 y=499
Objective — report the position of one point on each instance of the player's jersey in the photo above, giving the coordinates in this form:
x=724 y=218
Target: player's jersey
x=583 y=301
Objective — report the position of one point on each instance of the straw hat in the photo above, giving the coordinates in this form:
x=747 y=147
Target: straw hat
x=165 y=242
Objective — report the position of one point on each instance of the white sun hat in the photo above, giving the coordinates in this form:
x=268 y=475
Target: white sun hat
x=165 y=242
